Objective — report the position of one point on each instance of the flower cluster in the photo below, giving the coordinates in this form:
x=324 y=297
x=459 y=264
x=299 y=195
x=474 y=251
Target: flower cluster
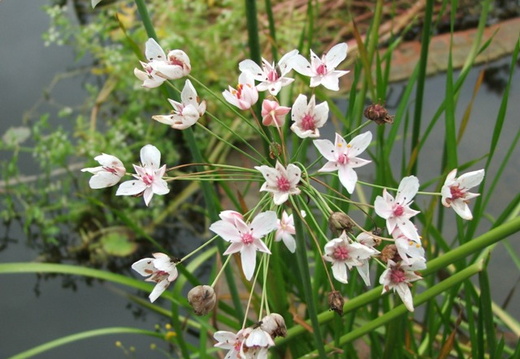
x=285 y=189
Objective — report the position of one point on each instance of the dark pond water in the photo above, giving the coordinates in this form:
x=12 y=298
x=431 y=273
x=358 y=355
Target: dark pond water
x=29 y=320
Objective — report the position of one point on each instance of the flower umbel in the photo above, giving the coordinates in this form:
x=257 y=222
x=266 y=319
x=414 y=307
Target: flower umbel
x=108 y=174
x=342 y=157
x=246 y=238
x=149 y=179
x=280 y=181
x=160 y=269
x=455 y=191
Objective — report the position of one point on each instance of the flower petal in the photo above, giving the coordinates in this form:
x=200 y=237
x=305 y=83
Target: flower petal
x=150 y=157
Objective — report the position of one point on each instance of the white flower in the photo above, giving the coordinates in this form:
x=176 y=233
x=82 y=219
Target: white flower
x=231 y=341
x=308 y=117
x=280 y=181
x=343 y=254
x=148 y=178
x=271 y=77
x=323 y=71
x=342 y=157
x=455 y=191
x=409 y=249
x=245 y=95
x=246 y=238
x=285 y=231
x=397 y=212
x=398 y=278
x=185 y=113
x=161 y=67
x=149 y=76
x=108 y=174
x=160 y=270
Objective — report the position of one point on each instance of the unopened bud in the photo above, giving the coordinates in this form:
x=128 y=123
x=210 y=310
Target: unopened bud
x=336 y=302
x=390 y=252
x=378 y=114
x=274 y=324
x=339 y=222
x=202 y=298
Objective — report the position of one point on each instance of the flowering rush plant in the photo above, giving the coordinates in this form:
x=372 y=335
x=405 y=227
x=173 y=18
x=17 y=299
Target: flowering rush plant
x=305 y=185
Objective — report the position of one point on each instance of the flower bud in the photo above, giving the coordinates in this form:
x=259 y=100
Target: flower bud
x=336 y=302
x=339 y=222
x=274 y=324
x=202 y=298
x=378 y=114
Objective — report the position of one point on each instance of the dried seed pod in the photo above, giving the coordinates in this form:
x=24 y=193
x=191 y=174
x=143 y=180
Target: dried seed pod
x=202 y=298
x=390 y=252
x=274 y=324
x=378 y=114
x=340 y=222
x=336 y=302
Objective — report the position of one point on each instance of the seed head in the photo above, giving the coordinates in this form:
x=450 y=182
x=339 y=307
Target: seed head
x=202 y=298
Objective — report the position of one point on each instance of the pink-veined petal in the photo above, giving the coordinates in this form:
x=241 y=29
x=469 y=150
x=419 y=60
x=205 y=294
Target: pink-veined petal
x=150 y=156
x=462 y=209
x=348 y=178
x=326 y=149
x=359 y=143
x=158 y=290
x=339 y=271
x=264 y=223
x=226 y=230
x=248 y=257
x=103 y=179
x=407 y=190
x=130 y=188
x=336 y=55
x=471 y=179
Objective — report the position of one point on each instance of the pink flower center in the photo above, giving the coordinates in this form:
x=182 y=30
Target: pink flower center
x=456 y=192
x=340 y=253
x=147 y=179
x=172 y=60
x=398 y=210
x=272 y=76
x=283 y=184
x=397 y=275
x=247 y=238
x=110 y=169
x=322 y=69
x=159 y=276
x=343 y=159
x=308 y=123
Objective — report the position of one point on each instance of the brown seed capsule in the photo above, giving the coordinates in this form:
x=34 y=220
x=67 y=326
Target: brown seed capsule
x=390 y=252
x=378 y=114
x=339 y=222
x=202 y=298
x=336 y=302
x=274 y=324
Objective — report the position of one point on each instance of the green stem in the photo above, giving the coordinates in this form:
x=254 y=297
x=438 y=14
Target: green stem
x=81 y=336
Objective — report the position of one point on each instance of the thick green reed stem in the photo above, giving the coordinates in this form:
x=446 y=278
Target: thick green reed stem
x=485 y=240
x=303 y=269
